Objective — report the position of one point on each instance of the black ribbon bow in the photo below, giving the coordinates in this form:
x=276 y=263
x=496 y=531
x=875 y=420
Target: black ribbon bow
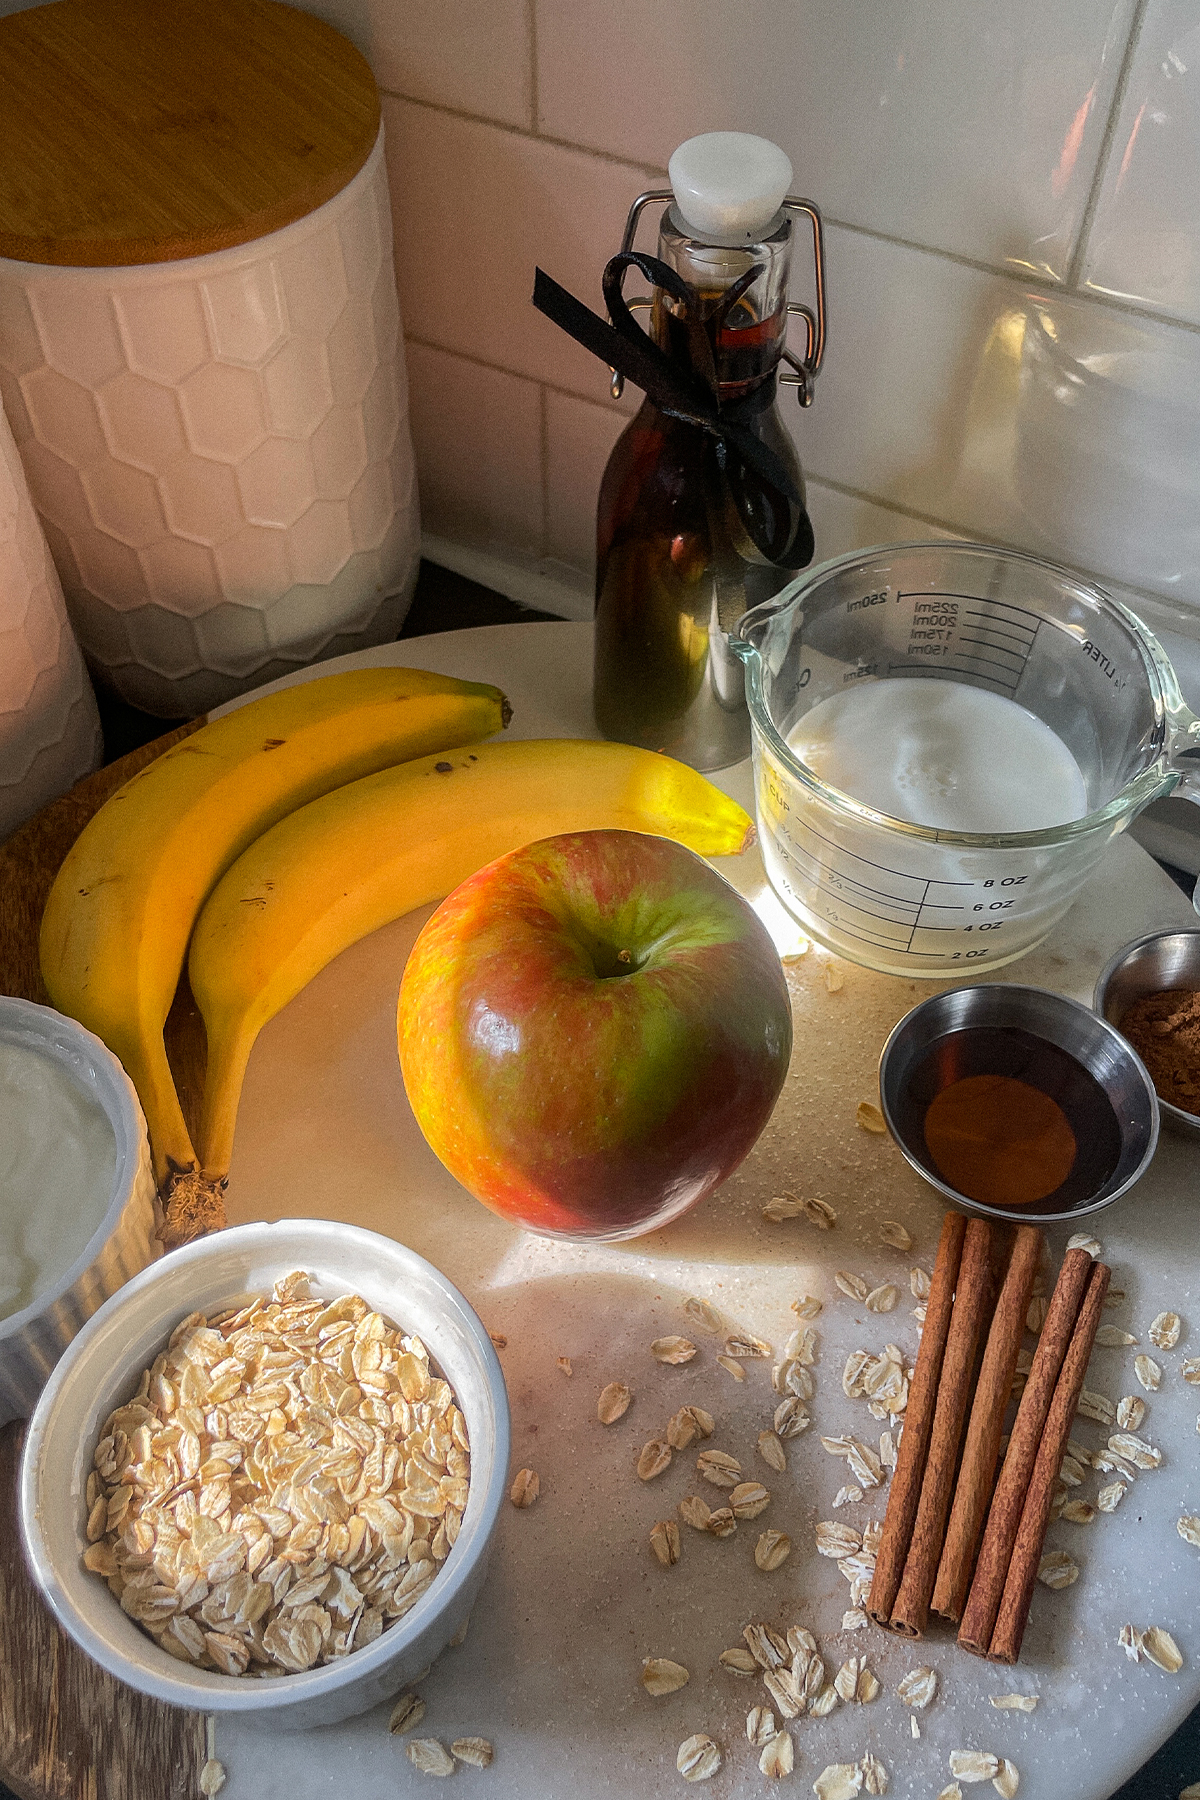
x=767 y=499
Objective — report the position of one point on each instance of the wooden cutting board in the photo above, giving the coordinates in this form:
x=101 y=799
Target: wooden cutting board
x=68 y=1731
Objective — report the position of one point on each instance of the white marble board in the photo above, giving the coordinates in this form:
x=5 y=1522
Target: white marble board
x=575 y=1600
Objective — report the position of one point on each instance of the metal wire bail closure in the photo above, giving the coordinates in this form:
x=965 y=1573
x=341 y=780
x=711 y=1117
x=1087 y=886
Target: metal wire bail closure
x=802 y=371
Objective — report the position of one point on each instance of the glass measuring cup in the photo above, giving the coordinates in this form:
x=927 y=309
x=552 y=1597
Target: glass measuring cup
x=905 y=898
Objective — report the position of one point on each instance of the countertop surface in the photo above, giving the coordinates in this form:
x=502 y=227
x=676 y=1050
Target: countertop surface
x=550 y=1669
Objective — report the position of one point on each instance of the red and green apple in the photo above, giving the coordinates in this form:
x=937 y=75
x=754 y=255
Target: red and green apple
x=593 y=1032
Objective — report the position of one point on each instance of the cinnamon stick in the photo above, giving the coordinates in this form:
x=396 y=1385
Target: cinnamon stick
x=1004 y=1514
x=1035 y=1515
x=905 y=1491
x=977 y=1471
x=972 y=1302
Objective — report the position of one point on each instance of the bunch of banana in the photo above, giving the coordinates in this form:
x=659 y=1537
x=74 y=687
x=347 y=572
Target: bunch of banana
x=116 y=926
x=348 y=863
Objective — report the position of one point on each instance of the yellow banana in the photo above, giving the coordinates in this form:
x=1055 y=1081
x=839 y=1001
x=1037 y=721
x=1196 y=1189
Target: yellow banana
x=350 y=862
x=122 y=908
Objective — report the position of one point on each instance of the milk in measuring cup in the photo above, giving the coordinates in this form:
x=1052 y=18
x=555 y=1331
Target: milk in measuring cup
x=942 y=755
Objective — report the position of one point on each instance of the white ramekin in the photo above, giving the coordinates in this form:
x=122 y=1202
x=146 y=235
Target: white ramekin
x=101 y=1369
x=31 y=1341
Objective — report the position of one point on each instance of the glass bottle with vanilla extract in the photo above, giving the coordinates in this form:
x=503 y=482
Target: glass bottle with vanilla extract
x=693 y=527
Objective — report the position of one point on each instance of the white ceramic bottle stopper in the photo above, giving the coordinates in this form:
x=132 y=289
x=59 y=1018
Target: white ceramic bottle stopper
x=728 y=186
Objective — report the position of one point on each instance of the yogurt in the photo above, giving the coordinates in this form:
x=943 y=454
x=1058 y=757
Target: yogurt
x=58 y=1162
x=942 y=755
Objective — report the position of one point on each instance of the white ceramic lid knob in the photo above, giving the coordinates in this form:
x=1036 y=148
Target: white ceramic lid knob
x=728 y=185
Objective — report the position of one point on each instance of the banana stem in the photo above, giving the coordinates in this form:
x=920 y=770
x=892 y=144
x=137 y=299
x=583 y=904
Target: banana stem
x=192 y=1207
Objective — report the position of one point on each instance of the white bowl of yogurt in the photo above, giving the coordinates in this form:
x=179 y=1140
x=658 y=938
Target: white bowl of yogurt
x=76 y=1191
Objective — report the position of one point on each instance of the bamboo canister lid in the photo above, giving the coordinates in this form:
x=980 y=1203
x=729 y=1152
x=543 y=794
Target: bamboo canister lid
x=139 y=131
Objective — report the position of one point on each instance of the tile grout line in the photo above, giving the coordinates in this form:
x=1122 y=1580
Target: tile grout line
x=544 y=459
x=924 y=518
x=531 y=44
x=1075 y=265
x=551 y=387
x=1022 y=278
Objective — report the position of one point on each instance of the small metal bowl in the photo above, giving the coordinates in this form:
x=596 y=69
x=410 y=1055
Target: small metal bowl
x=1164 y=959
x=908 y=1082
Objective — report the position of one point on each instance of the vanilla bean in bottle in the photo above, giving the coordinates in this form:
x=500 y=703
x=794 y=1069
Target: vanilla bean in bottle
x=695 y=524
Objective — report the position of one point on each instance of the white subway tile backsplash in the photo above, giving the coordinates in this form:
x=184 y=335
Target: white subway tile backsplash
x=475 y=210
x=1144 y=244
x=477 y=436
x=845 y=522
x=471 y=55
x=973 y=127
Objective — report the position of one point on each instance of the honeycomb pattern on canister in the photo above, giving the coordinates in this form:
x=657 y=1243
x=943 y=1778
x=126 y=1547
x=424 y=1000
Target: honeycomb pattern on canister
x=219 y=450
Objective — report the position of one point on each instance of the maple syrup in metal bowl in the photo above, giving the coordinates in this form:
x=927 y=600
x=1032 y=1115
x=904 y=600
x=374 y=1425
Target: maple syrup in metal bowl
x=1017 y=1103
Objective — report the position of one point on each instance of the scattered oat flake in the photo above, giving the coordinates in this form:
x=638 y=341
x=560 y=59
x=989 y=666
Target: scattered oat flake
x=1007 y=1781
x=407 y=1714
x=1014 y=1702
x=778 y=1756
x=1130 y=1640
x=791 y=1418
x=782 y=1207
x=847 y=1496
x=839 y=1781
x=855 y=1619
x=661 y=1676
x=875 y=1775
x=563 y=1363
x=476 y=1752
x=1189 y=1368
x=703 y=1315
x=834 y=979
x=695 y=1512
x=919 y=1281
x=845 y=1682
x=820 y=1214
x=893 y=1233
x=1130 y=1412
x=851 y=1285
x=1035 y=1313
x=1148 y=1373
x=974 y=1765
x=807 y=1307
x=1111 y=1496
x=655 y=1457
x=733 y=1367
x=673 y=1349
x=525 y=1488
x=742 y=1343
x=698 y=1758
x=739 y=1661
x=498 y=1339
x=952 y=1792
x=1113 y=1338
x=1097 y=1406
x=772 y=1549
x=770 y=1448
x=1056 y=1570
x=1189 y=1529
x=1191 y=1792
x=1081 y=1241
x=760 y=1725
x=824 y=1703
x=1164 y=1330
x=1162 y=1649
x=918 y=1687
x=430 y=1757
x=664 y=1541
x=212 y=1778
x=613 y=1402
x=837 y=1540
x=916 y=1729
x=868 y=1686
x=748 y=1499
x=1078 y=1512
x=717 y=1466
x=869 y=1118
x=882 y=1299
x=1135 y=1450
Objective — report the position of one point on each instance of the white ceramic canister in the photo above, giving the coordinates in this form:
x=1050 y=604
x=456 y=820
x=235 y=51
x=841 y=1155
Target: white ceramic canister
x=219 y=450
x=49 y=726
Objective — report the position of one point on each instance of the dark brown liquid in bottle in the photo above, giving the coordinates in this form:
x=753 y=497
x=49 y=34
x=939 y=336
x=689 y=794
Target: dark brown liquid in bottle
x=669 y=541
